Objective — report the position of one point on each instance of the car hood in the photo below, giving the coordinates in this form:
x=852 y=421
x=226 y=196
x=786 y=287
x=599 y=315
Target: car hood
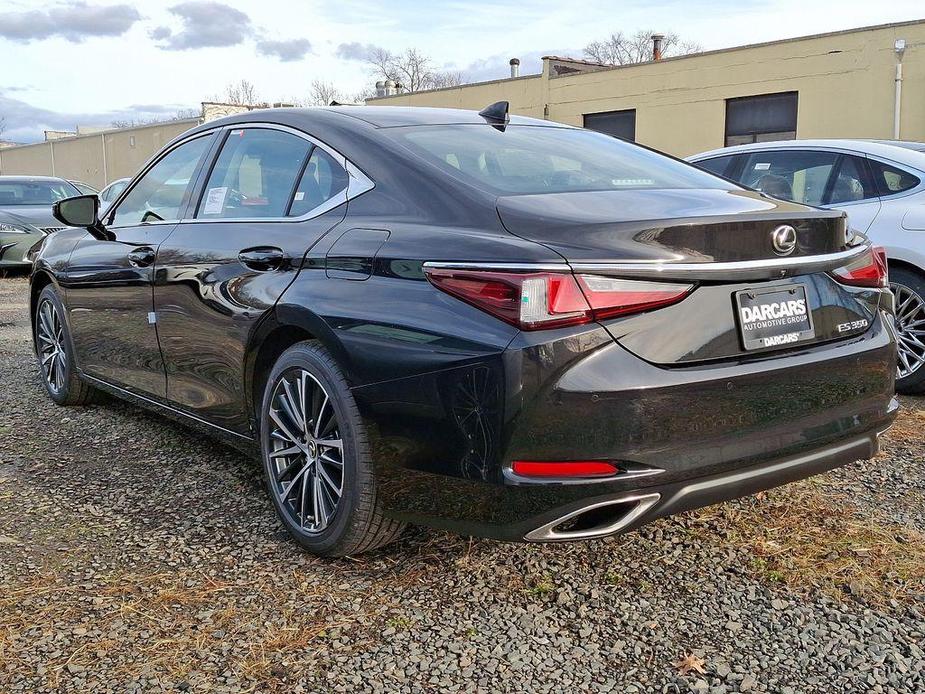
x=36 y=215
x=698 y=225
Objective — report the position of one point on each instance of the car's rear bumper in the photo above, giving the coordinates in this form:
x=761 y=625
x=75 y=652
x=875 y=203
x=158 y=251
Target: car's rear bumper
x=687 y=436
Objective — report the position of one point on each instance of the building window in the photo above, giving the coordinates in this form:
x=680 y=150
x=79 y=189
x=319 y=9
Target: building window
x=761 y=118
x=620 y=124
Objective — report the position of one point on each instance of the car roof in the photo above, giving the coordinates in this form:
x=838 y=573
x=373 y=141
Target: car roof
x=30 y=179
x=375 y=116
x=909 y=153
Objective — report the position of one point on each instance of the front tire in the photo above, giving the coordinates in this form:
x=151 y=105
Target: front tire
x=316 y=457
x=55 y=353
x=909 y=289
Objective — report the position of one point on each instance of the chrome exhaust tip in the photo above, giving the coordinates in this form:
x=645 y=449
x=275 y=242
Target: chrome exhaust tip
x=595 y=520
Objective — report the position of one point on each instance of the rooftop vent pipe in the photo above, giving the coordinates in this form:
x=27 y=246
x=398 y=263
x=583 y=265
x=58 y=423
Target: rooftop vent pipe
x=657 y=40
x=515 y=67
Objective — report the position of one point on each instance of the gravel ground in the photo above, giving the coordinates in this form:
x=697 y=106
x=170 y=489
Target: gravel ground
x=136 y=556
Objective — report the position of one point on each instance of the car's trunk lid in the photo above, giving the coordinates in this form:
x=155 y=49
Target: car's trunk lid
x=673 y=226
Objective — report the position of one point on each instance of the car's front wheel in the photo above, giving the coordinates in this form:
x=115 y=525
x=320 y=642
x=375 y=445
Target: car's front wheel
x=316 y=457
x=55 y=354
x=909 y=289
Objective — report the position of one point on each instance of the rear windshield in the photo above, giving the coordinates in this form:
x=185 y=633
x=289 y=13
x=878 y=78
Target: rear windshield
x=13 y=193
x=532 y=159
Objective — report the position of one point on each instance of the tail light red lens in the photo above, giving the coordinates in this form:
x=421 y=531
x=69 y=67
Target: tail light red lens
x=868 y=270
x=568 y=468
x=542 y=300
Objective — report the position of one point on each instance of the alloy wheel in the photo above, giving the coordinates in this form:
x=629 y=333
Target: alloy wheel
x=51 y=346
x=306 y=452
x=910 y=325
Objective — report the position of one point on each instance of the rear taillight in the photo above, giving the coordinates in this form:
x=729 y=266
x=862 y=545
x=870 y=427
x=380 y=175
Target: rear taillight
x=867 y=270
x=568 y=468
x=541 y=300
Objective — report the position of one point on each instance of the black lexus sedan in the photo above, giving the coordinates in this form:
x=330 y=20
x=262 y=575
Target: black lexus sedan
x=496 y=325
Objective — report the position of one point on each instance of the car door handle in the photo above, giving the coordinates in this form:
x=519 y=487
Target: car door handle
x=263 y=259
x=142 y=257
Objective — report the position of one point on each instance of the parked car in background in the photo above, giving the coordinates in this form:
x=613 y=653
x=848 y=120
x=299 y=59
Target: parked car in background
x=498 y=325
x=84 y=188
x=111 y=192
x=880 y=184
x=26 y=216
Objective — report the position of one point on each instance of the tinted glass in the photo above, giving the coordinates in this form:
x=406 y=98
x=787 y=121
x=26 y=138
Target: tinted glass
x=255 y=175
x=159 y=194
x=530 y=159
x=795 y=175
x=717 y=165
x=84 y=188
x=322 y=179
x=890 y=180
x=851 y=184
x=13 y=193
x=620 y=124
x=762 y=118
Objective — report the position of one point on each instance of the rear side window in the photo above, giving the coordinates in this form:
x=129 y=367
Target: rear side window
x=717 y=165
x=322 y=179
x=255 y=175
x=891 y=180
x=533 y=159
x=796 y=175
x=851 y=183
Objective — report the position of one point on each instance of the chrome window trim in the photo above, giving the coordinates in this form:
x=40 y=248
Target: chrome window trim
x=653 y=269
x=357 y=181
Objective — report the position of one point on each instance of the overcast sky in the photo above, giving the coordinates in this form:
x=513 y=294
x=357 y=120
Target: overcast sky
x=95 y=61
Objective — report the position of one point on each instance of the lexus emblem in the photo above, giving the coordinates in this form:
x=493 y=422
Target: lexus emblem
x=784 y=239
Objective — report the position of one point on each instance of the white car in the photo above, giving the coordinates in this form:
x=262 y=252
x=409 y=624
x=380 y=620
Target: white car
x=111 y=192
x=880 y=184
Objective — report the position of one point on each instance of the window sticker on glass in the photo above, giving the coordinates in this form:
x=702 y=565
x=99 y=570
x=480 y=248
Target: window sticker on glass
x=762 y=166
x=300 y=195
x=215 y=200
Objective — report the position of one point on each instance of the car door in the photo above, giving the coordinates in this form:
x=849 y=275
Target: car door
x=109 y=282
x=270 y=195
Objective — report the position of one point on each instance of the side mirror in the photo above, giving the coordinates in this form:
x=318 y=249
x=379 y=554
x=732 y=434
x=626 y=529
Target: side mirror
x=82 y=211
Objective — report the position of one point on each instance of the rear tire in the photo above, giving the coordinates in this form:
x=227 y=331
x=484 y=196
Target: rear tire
x=55 y=353
x=909 y=288
x=316 y=457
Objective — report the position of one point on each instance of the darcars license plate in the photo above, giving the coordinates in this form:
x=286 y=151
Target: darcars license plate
x=774 y=317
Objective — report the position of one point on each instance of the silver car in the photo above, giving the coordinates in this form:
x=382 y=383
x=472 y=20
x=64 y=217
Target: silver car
x=25 y=214
x=880 y=184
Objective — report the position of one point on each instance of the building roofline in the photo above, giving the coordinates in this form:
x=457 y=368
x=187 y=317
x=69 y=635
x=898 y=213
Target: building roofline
x=108 y=131
x=746 y=46
x=459 y=86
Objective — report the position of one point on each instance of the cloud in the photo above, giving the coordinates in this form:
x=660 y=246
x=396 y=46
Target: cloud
x=25 y=122
x=286 y=51
x=354 y=51
x=498 y=66
x=75 y=22
x=205 y=24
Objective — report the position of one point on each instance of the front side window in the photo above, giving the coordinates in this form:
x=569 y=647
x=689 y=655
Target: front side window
x=255 y=175
x=525 y=159
x=160 y=193
x=797 y=175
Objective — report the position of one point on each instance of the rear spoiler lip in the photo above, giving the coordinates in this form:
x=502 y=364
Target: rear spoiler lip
x=765 y=268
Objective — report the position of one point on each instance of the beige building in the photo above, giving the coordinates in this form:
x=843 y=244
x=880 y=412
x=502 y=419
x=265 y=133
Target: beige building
x=99 y=157
x=841 y=84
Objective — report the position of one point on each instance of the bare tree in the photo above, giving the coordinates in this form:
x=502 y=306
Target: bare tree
x=241 y=93
x=181 y=114
x=412 y=69
x=620 y=49
x=323 y=93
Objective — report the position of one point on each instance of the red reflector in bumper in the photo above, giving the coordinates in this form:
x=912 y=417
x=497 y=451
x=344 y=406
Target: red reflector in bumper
x=569 y=468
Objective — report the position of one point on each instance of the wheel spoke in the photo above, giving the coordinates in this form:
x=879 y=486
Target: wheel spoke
x=331 y=443
x=302 y=496
x=327 y=478
x=283 y=427
x=318 y=416
x=287 y=400
x=284 y=452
